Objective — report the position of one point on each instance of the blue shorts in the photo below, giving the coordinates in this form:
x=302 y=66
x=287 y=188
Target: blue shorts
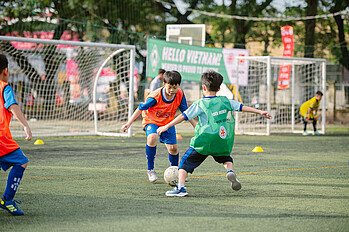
x=167 y=137
x=192 y=159
x=16 y=157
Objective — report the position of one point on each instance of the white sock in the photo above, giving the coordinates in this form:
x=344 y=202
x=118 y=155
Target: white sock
x=180 y=186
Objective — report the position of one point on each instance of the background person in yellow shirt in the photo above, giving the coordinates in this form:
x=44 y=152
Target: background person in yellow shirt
x=309 y=112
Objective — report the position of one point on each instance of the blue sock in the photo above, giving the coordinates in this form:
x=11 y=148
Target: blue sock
x=173 y=159
x=150 y=152
x=13 y=180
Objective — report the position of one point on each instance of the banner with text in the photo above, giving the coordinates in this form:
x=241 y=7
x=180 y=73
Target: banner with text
x=285 y=70
x=191 y=61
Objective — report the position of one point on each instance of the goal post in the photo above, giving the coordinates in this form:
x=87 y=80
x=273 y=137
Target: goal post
x=307 y=76
x=68 y=88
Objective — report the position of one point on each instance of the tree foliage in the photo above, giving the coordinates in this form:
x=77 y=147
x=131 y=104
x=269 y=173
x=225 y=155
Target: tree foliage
x=133 y=21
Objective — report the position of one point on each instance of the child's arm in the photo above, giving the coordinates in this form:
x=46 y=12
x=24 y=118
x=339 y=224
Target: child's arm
x=16 y=111
x=180 y=118
x=316 y=116
x=265 y=114
x=307 y=115
x=192 y=122
x=132 y=119
x=183 y=107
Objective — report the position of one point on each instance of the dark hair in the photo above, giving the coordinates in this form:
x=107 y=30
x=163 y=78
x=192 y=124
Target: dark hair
x=172 y=78
x=161 y=71
x=319 y=93
x=212 y=80
x=3 y=62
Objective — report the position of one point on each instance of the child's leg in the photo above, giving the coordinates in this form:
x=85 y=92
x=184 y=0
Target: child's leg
x=231 y=176
x=228 y=165
x=182 y=175
x=305 y=122
x=13 y=181
x=179 y=191
x=191 y=160
x=173 y=155
x=314 y=124
x=150 y=150
x=227 y=162
x=18 y=161
x=170 y=140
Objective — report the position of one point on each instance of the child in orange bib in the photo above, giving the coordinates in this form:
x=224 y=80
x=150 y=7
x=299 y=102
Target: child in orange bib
x=11 y=156
x=158 y=110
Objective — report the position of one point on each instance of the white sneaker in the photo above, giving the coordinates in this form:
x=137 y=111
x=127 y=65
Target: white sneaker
x=305 y=133
x=152 y=176
x=235 y=183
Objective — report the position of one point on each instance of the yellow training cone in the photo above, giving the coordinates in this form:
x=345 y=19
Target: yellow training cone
x=178 y=136
x=257 y=149
x=38 y=142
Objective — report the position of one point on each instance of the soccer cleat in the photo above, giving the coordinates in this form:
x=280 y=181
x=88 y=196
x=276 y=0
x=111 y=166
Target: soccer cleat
x=235 y=183
x=305 y=133
x=152 y=176
x=177 y=192
x=11 y=206
x=317 y=133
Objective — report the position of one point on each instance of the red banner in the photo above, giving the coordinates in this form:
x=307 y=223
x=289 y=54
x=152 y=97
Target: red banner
x=285 y=70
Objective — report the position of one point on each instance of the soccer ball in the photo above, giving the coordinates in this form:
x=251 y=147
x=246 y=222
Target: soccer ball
x=171 y=175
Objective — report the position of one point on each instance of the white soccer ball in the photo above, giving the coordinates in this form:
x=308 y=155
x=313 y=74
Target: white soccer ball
x=171 y=175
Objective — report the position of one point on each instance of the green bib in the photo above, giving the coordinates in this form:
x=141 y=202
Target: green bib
x=216 y=138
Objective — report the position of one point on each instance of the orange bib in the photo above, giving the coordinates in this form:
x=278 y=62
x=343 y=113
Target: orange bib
x=162 y=113
x=7 y=144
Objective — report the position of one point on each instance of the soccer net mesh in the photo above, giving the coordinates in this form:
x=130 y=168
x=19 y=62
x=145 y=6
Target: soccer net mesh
x=70 y=88
x=306 y=77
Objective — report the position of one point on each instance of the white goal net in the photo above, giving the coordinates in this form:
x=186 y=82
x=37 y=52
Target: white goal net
x=307 y=76
x=67 y=88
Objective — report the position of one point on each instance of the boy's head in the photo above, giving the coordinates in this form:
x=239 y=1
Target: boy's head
x=172 y=81
x=3 y=68
x=212 y=80
x=172 y=78
x=318 y=95
x=161 y=73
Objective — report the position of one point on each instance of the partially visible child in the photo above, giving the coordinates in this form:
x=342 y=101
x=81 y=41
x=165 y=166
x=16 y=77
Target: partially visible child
x=214 y=133
x=157 y=81
x=158 y=110
x=309 y=110
x=10 y=153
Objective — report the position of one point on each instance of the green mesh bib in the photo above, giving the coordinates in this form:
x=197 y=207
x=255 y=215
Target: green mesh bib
x=216 y=138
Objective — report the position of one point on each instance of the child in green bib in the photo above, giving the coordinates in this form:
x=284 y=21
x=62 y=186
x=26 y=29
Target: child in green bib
x=214 y=133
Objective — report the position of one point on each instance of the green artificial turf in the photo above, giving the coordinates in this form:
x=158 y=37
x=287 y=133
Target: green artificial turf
x=299 y=183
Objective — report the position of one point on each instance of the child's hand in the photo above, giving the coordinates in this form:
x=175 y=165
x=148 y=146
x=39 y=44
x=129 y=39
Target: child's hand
x=28 y=133
x=266 y=115
x=161 y=129
x=125 y=127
